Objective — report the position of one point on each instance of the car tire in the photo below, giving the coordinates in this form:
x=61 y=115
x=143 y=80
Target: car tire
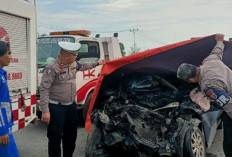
x=94 y=139
x=194 y=144
x=86 y=105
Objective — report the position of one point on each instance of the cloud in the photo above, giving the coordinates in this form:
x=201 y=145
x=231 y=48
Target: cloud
x=119 y=5
x=158 y=22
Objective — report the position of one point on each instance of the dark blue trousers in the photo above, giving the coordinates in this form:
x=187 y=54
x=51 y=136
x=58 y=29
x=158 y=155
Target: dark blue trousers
x=227 y=128
x=62 y=127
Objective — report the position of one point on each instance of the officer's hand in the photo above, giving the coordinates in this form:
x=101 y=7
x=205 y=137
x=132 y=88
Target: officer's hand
x=4 y=140
x=101 y=61
x=46 y=117
x=219 y=37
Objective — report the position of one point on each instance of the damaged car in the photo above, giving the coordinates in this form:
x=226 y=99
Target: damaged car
x=140 y=109
x=148 y=116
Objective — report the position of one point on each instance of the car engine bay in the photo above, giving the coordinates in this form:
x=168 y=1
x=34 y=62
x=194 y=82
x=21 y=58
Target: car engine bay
x=145 y=116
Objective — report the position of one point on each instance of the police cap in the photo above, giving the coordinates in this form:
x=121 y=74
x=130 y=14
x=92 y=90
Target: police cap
x=69 y=47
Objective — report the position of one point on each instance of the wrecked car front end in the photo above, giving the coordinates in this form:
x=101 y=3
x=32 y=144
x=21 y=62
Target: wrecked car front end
x=146 y=116
x=140 y=109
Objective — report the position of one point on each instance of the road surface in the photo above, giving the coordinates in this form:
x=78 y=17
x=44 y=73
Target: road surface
x=32 y=142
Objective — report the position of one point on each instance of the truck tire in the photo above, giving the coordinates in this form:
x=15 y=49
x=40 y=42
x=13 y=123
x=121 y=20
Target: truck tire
x=94 y=139
x=194 y=144
x=86 y=105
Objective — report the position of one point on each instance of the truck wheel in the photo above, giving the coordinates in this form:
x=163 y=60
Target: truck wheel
x=86 y=105
x=194 y=144
x=94 y=140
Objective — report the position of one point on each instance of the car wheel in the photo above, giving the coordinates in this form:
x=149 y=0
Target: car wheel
x=194 y=144
x=94 y=143
x=86 y=105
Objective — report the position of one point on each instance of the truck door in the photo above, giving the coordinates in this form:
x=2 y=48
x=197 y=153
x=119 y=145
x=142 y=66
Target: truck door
x=86 y=80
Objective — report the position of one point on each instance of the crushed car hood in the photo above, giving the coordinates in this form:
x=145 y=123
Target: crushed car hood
x=163 y=61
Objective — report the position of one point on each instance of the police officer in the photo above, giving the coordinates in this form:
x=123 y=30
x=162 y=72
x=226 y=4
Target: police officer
x=215 y=80
x=57 y=99
x=7 y=144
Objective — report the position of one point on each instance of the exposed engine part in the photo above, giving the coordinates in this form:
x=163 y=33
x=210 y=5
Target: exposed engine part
x=103 y=117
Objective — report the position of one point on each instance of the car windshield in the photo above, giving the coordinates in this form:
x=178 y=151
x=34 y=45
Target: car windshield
x=48 y=49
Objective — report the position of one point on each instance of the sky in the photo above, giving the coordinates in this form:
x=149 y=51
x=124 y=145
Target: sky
x=156 y=22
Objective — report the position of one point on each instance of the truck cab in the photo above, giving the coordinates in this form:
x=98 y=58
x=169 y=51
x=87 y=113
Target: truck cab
x=92 y=49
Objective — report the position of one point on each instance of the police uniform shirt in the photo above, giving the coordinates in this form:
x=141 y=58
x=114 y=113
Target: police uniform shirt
x=214 y=73
x=6 y=118
x=59 y=82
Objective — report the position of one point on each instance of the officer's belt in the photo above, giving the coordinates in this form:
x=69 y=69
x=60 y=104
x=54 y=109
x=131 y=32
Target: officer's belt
x=60 y=103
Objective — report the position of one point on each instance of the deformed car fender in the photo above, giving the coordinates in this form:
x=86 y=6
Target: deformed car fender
x=193 y=123
x=210 y=121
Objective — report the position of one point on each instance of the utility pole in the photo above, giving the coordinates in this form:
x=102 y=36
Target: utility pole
x=133 y=30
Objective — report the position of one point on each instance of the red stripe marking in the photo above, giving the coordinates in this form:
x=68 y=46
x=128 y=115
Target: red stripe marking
x=21 y=123
x=33 y=99
x=81 y=93
x=15 y=115
x=20 y=102
x=27 y=111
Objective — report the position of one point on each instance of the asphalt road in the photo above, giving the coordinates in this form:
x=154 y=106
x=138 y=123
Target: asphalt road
x=32 y=142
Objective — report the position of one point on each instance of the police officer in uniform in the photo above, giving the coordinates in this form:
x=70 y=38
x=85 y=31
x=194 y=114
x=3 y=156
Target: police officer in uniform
x=215 y=80
x=7 y=144
x=57 y=99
